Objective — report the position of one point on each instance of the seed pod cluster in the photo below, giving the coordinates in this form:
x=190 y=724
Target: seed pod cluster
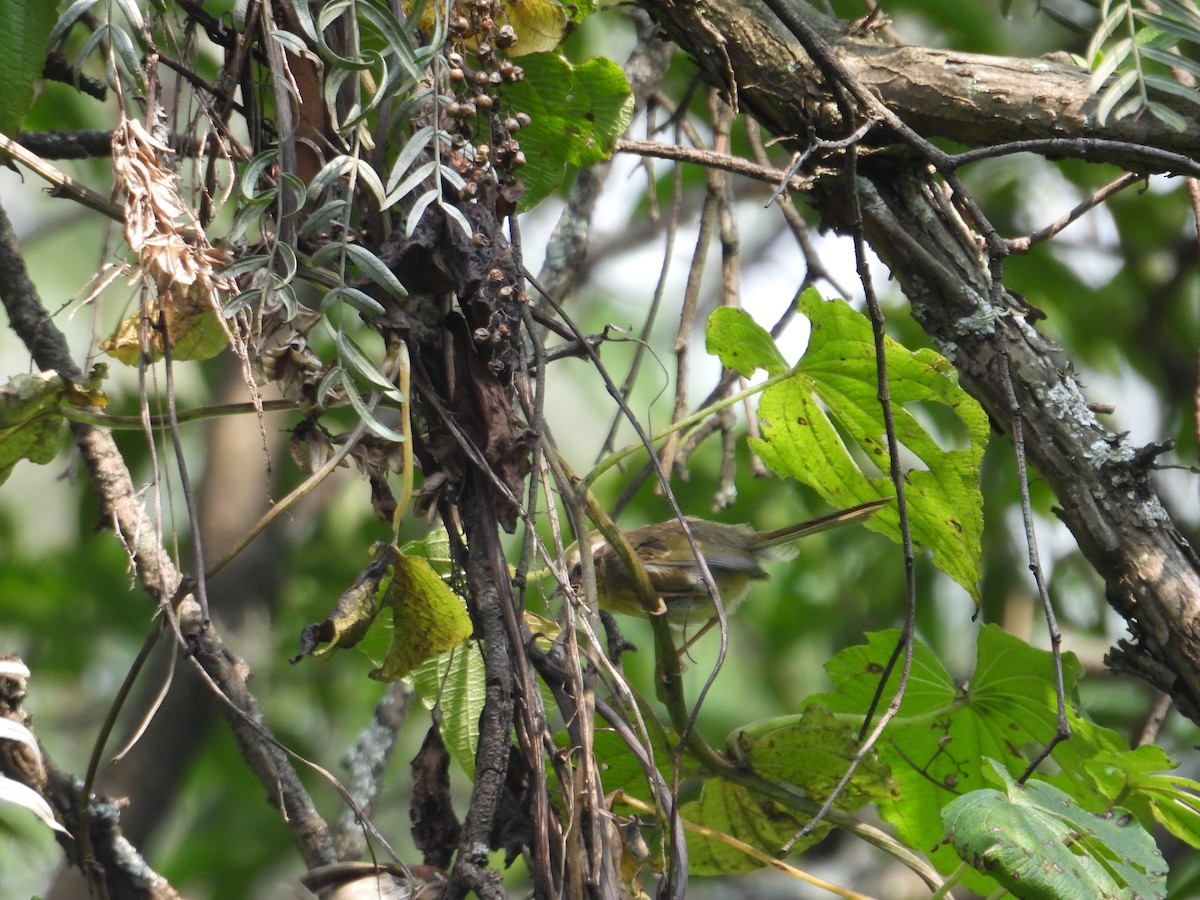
x=478 y=68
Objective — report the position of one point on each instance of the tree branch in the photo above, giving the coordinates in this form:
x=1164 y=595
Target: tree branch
x=970 y=98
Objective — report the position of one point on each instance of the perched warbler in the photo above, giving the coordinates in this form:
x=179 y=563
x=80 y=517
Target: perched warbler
x=734 y=553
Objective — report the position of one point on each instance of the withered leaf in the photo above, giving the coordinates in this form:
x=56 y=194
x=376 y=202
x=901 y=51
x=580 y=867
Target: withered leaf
x=435 y=827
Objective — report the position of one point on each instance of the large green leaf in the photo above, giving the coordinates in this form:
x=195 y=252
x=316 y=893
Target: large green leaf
x=576 y=115
x=1038 y=842
x=730 y=810
x=815 y=423
x=809 y=753
x=24 y=27
x=936 y=745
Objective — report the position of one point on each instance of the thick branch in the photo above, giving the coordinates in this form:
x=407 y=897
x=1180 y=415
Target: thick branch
x=970 y=98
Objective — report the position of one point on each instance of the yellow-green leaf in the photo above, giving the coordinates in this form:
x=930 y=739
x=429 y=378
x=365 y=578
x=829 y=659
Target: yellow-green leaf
x=428 y=618
x=742 y=344
x=196 y=333
x=824 y=424
x=540 y=25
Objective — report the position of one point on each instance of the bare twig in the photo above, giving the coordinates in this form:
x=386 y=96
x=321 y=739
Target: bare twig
x=366 y=762
x=64 y=185
x=712 y=160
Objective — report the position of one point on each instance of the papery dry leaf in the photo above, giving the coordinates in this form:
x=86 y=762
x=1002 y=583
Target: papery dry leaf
x=174 y=255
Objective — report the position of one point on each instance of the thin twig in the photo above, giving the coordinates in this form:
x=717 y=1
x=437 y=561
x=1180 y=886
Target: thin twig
x=64 y=184
x=713 y=160
x=1025 y=244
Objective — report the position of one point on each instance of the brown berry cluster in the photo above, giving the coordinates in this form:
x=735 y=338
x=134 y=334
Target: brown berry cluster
x=478 y=68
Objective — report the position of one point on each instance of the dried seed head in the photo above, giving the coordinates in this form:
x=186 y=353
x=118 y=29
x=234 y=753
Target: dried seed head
x=506 y=36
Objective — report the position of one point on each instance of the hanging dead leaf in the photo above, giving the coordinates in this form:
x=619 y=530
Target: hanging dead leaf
x=178 y=264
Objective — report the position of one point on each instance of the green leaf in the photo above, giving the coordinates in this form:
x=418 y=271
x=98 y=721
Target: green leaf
x=809 y=753
x=812 y=752
x=835 y=382
x=576 y=115
x=1036 y=841
x=371 y=265
x=31 y=425
x=365 y=412
x=24 y=28
x=741 y=343
x=427 y=618
x=456 y=683
x=935 y=745
x=363 y=302
x=1139 y=779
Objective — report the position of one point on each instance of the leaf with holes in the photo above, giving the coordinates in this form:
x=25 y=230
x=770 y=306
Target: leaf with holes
x=824 y=426
x=1036 y=841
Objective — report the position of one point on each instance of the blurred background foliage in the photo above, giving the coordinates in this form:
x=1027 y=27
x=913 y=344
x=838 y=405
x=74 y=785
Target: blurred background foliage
x=1120 y=293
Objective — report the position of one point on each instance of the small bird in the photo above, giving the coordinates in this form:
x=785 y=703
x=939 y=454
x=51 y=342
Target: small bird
x=734 y=553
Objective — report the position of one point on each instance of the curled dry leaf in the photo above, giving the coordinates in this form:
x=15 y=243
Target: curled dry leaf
x=174 y=255
x=435 y=827
x=427 y=617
